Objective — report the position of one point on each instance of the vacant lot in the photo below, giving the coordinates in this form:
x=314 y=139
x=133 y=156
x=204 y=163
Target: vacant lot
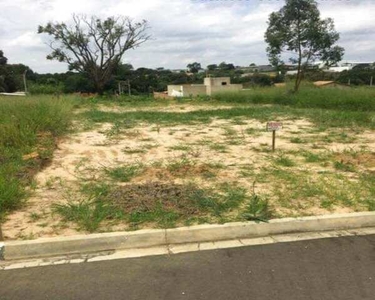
x=144 y=164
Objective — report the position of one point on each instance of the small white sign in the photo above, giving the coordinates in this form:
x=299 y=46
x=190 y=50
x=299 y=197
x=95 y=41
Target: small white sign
x=274 y=126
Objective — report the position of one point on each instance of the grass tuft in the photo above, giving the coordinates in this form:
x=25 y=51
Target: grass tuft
x=125 y=173
x=257 y=209
x=284 y=161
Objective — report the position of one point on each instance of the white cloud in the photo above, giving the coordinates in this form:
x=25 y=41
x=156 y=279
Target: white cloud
x=28 y=39
x=183 y=30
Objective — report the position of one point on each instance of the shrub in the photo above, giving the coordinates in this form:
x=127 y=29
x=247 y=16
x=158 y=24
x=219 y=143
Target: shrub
x=37 y=89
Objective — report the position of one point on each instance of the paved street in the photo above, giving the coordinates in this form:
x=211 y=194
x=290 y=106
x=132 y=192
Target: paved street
x=338 y=268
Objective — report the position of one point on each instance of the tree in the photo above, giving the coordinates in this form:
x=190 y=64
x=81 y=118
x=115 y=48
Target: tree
x=3 y=59
x=298 y=29
x=10 y=75
x=93 y=46
x=194 y=67
x=226 y=67
x=212 y=67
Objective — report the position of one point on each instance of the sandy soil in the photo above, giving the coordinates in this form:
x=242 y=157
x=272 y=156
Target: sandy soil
x=94 y=150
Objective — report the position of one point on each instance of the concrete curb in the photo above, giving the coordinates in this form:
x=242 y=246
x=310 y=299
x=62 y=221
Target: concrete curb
x=58 y=246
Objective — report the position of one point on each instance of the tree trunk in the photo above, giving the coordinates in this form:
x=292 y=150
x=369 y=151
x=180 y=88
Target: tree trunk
x=298 y=81
x=99 y=86
x=298 y=77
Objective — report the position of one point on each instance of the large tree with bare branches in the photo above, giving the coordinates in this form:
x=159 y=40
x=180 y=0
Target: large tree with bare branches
x=94 y=46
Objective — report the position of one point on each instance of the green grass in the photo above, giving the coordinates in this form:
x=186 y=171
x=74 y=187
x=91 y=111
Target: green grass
x=257 y=209
x=344 y=166
x=125 y=173
x=322 y=118
x=164 y=204
x=27 y=125
x=311 y=157
x=218 y=147
x=298 y=140
x=300 y=190
x=87 y=214
x=180 y=147
x=351 y=99
x=285 y=161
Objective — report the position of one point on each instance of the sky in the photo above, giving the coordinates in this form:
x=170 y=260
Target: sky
x=183 y=31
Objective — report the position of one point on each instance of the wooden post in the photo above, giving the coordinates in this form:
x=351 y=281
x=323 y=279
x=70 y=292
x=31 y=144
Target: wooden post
x=129 y=90
x=371 y=81
x=274 y=126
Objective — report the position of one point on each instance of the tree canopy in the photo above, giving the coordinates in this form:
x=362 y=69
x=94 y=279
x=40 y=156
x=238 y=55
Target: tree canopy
x=3 y=59
x=94 y=46
x=297 y=29
x=194 y=67
x=11 y=75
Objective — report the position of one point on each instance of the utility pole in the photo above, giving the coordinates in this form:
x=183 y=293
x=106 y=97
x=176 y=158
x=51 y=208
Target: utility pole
x=129 y=90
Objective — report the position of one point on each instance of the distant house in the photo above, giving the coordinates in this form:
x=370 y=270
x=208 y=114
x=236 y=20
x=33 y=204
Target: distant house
x=210 y=86
x=257 y=69
x=291 y=72
x=347 y=65
x=178 y=70
x=261 y=68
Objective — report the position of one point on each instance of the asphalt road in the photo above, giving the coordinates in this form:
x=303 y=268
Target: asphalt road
x=338 y=268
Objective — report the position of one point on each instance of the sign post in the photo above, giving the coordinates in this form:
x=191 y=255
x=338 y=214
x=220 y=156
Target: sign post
x=274 y=126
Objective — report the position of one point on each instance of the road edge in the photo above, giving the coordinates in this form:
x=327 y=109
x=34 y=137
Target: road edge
x=99 y=242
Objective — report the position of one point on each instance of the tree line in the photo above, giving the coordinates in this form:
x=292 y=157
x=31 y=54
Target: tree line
x=93 y=50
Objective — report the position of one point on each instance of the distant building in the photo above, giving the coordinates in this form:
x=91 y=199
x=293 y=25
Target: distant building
x=257 y=69
x=262 y=68
x=210 y=86
x=178 y=70
x=348 y=65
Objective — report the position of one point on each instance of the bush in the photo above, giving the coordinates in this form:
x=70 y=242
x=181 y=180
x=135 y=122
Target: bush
x=37 y=89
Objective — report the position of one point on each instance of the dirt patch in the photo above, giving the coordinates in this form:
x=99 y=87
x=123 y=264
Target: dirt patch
x=151 y=196
x=233 y=151
x=360 y=159
x=163 y=108
x=177 y=169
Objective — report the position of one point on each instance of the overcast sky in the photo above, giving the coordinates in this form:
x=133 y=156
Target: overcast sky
x=183 y=31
